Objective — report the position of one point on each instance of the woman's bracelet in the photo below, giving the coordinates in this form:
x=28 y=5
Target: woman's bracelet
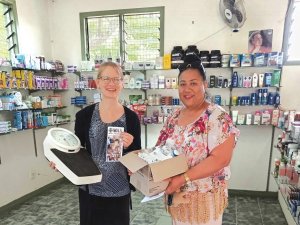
x=187 y=179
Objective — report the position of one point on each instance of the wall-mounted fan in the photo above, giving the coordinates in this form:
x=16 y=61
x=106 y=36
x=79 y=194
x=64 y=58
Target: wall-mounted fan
x=233 y=13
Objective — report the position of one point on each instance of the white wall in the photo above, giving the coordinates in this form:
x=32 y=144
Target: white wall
x=51 y=28
x=33 y=27
x=179 y=29
x=290 y=87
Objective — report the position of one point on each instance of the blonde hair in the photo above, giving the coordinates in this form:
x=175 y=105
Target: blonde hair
x=115 y=66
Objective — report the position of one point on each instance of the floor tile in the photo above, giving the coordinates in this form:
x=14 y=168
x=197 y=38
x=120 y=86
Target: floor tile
x=46 y=209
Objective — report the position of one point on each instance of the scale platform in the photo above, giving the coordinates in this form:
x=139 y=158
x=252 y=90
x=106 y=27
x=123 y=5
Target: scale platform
x=77 y=167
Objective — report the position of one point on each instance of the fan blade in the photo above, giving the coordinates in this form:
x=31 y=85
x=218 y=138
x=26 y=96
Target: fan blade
x=239 y=16
x=228 y=3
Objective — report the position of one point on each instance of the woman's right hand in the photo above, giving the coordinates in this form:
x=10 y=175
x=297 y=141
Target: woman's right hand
x=53 y=166
x=129 y=172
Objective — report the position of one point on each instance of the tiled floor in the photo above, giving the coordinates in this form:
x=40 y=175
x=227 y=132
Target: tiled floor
x=60 y=207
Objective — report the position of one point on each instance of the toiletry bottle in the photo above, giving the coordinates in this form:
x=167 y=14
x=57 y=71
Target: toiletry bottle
x=276 y=168
x=259 y=99
x=289 y=171
x=254 y=80
x=282 y=173
x=277 y=99
x=234 y=79
x=126 y=81
x=261 y=77
x=264 y=99
x=132 y=83
x=245 y=82
x=240 y=81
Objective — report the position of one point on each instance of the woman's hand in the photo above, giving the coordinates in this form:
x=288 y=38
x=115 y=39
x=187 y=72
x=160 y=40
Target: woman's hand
x=53 y=166
x=127 y=139
x=175 y=183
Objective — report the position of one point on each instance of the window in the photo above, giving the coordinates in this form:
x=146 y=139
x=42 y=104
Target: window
x=8 y=37
x=292 y=33
x=131 y=35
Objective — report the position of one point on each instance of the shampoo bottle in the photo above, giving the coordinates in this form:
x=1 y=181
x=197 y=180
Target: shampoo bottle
x=254 y=80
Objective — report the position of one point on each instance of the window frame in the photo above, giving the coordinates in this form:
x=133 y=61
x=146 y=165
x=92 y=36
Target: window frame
x=120 y=13
x=287 y=29
x=14 y=27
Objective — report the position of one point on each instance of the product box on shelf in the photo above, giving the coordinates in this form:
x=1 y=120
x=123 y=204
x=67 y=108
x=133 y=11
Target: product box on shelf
x=241 y=119
x=159 y=63
x=266 y=117
x=257 y=118
x=260 y=59
x=275 y=117
x=295 y=130
x=246 y=60
x=235 y=60
x=150 y=179
x=138 y=66
x=225 y=60
x=127 y=66
x=149 y=65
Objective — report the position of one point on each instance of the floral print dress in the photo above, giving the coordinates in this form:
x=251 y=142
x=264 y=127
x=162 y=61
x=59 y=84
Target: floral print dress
x=197 y=139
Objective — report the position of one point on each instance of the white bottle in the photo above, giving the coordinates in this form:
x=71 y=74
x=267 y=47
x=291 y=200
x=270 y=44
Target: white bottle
x=254 y=80
x=132 y=83
x=126 y=81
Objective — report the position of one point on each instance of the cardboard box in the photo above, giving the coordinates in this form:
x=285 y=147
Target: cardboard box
x=150 y=178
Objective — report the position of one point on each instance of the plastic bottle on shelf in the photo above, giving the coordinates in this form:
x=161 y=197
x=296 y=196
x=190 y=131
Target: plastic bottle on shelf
x=264 y=99
x=150 y=100
x=132 y=83
x=277 y=99
x=177 y=56
x=276 y=168
x=294 y=178
x=192 y=50
x=289 y=171
x=234 y=79
x=282 y=173
x=126 y=80
x=254 y=80
x=157 y=99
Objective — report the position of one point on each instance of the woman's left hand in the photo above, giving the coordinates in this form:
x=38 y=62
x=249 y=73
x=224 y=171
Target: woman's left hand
x=127 y=139
x=175 y=183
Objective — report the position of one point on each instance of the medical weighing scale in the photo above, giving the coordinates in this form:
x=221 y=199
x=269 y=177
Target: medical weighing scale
x=62 y=147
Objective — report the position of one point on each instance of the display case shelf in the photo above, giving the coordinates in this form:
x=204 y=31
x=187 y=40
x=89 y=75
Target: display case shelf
x=291 y=220
x=16 y=110
x=37 y=128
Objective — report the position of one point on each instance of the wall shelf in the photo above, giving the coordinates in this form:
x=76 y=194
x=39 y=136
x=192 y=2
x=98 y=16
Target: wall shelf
x=37 y=128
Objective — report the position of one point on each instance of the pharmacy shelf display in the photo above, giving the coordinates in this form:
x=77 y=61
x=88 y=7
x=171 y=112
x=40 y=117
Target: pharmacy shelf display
x=287 y=168
x=22 y=106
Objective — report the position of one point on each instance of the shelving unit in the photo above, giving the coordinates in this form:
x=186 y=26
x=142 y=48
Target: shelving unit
x=284 y=206
x=6 y=115
x=284 y=146
x=288 y=216
x=225 y=92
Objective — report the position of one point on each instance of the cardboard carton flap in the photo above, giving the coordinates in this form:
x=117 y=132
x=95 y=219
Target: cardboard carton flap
x=168 y=168
x=133 y=162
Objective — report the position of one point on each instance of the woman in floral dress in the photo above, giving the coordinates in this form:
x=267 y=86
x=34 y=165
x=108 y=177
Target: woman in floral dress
x=205 y=134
